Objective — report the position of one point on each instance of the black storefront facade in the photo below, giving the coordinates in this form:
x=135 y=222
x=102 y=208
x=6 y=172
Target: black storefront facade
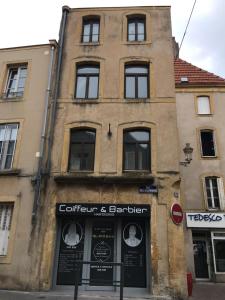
x=102 y=234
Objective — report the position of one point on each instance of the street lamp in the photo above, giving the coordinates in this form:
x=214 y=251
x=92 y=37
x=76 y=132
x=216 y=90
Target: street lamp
x=188 y=155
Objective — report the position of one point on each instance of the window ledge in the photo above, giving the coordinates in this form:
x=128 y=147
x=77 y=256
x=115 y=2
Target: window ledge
x=131 y=178
x=136 y=100
x=10 y=172
x=209 y=157
x=85 y=101
x=12 y=99
x=90 y=44
x=204 y=115
x=137 y=43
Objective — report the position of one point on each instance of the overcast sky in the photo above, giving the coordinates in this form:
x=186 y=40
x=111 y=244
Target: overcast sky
x=26 y=22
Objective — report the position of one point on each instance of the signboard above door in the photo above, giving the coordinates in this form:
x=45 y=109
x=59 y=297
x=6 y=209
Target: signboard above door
x=206 y=220
x=102 y=210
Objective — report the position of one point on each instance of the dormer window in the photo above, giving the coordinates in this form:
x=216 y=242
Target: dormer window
x=136 y=29
x=91 y=28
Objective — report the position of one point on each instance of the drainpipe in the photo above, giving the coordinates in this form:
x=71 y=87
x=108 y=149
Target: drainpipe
x=40 y=172
x=65 y=11
x=38 y=178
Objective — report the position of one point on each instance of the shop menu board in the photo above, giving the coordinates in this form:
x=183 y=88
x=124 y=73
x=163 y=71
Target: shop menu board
x=71 y=250
x=102 y=250
x=134 y=253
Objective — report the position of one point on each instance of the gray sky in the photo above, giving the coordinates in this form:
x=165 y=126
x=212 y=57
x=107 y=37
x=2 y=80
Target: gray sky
x=25 y=22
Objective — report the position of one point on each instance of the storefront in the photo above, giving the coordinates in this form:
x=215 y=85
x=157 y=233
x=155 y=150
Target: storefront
x=208 y=235
x=103 y=233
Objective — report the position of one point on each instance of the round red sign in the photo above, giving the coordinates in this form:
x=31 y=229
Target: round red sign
x=176 y=213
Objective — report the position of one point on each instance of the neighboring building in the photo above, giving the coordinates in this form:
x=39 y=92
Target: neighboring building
x=23 y=95
x=200 y=99
x=114 y=170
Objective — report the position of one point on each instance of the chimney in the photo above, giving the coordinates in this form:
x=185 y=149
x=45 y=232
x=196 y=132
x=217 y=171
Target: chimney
x=175 y=48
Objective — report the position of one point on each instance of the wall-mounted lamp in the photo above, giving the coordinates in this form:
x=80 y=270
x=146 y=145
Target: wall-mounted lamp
x=188 y=150
x=109 y=133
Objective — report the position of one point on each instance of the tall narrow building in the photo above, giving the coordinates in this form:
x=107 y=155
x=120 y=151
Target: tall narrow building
x=114 y=169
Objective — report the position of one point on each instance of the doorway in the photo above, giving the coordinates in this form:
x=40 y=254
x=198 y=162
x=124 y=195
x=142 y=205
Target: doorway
x=100 y=240
x=201 y=259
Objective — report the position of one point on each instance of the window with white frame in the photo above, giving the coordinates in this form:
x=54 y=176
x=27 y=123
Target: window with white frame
x=6 y=211
x=16 y=81
x=8 y=136
x=214 y=192
x=218 y=243
x=203 y=103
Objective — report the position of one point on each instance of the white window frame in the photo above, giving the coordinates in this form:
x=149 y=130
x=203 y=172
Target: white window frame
x=9 y=94
x=213 y=238
x=5 y=145
x=209 y=104
x=6 y=213
x=220 y=187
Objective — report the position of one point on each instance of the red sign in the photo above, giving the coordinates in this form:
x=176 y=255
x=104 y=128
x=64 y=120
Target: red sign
x=176 y=213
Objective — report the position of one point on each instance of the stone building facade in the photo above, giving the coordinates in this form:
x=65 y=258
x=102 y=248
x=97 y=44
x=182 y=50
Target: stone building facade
x=114 y=168
x=200 y=101
x=24 y=73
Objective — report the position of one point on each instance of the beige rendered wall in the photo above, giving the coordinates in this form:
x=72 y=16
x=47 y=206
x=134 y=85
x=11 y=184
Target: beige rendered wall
x=157 y=113
x=189 y=124
x=16 y=269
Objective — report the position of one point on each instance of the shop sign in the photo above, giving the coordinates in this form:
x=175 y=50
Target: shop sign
x=102 y=210
x=148 y=189
x=177 y=213
x=205 y=220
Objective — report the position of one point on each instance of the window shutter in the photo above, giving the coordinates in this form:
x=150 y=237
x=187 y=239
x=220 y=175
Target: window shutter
x=203 y=105
x=5 y=224
x=221 y=192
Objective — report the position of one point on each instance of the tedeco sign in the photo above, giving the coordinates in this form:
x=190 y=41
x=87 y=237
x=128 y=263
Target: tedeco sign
x=176 y=213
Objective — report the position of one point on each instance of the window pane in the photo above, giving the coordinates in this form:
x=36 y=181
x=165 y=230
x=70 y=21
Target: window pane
x=88 y=70
x=136 y=70
x=143 y=157
x=86 y=33
x=141 y=37
x=83 y=136
x=88 y=157
x=131 y=31
x=129 y=157
x=137 y=136
x=141 y=28
x=81 y=87
x=130 y=87
x=8 y=162
x=75 y=157
x=93 y=87
x=207 y=143
x=142 y=87
x=203 y=105
x=219 y=247
x=2 y=133
x=95 y=28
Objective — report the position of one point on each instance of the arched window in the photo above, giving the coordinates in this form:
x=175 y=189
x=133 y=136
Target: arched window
x=136 y=81
x=136 y=30
x=136 y=150
x=82 y=150
x=87 y=81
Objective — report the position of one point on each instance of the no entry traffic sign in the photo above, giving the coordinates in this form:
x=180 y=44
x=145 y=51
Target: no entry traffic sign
x=176 y=213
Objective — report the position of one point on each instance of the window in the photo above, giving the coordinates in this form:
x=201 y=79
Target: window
x=218 y=242
x=137 y=150
x=82 y=150
x=8 y=135
x=207 y=143
x=87 y=82
x=136 y=82
x=6 y=211
x=203 y=105
x=214 y=192
x=16 y=81
x=136 y=29
x=91 y=30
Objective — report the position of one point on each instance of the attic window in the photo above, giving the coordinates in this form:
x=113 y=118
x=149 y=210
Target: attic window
x=184 y=79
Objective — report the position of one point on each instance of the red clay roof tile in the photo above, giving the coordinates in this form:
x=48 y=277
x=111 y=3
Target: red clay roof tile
x=195 y=75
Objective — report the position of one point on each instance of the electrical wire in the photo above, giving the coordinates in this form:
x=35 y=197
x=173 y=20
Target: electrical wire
x=187 y=25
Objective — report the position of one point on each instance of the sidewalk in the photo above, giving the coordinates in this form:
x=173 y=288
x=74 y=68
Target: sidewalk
x=208 y=291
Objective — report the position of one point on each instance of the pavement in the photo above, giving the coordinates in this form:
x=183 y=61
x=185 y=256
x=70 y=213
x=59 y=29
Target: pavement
x=201 y=291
